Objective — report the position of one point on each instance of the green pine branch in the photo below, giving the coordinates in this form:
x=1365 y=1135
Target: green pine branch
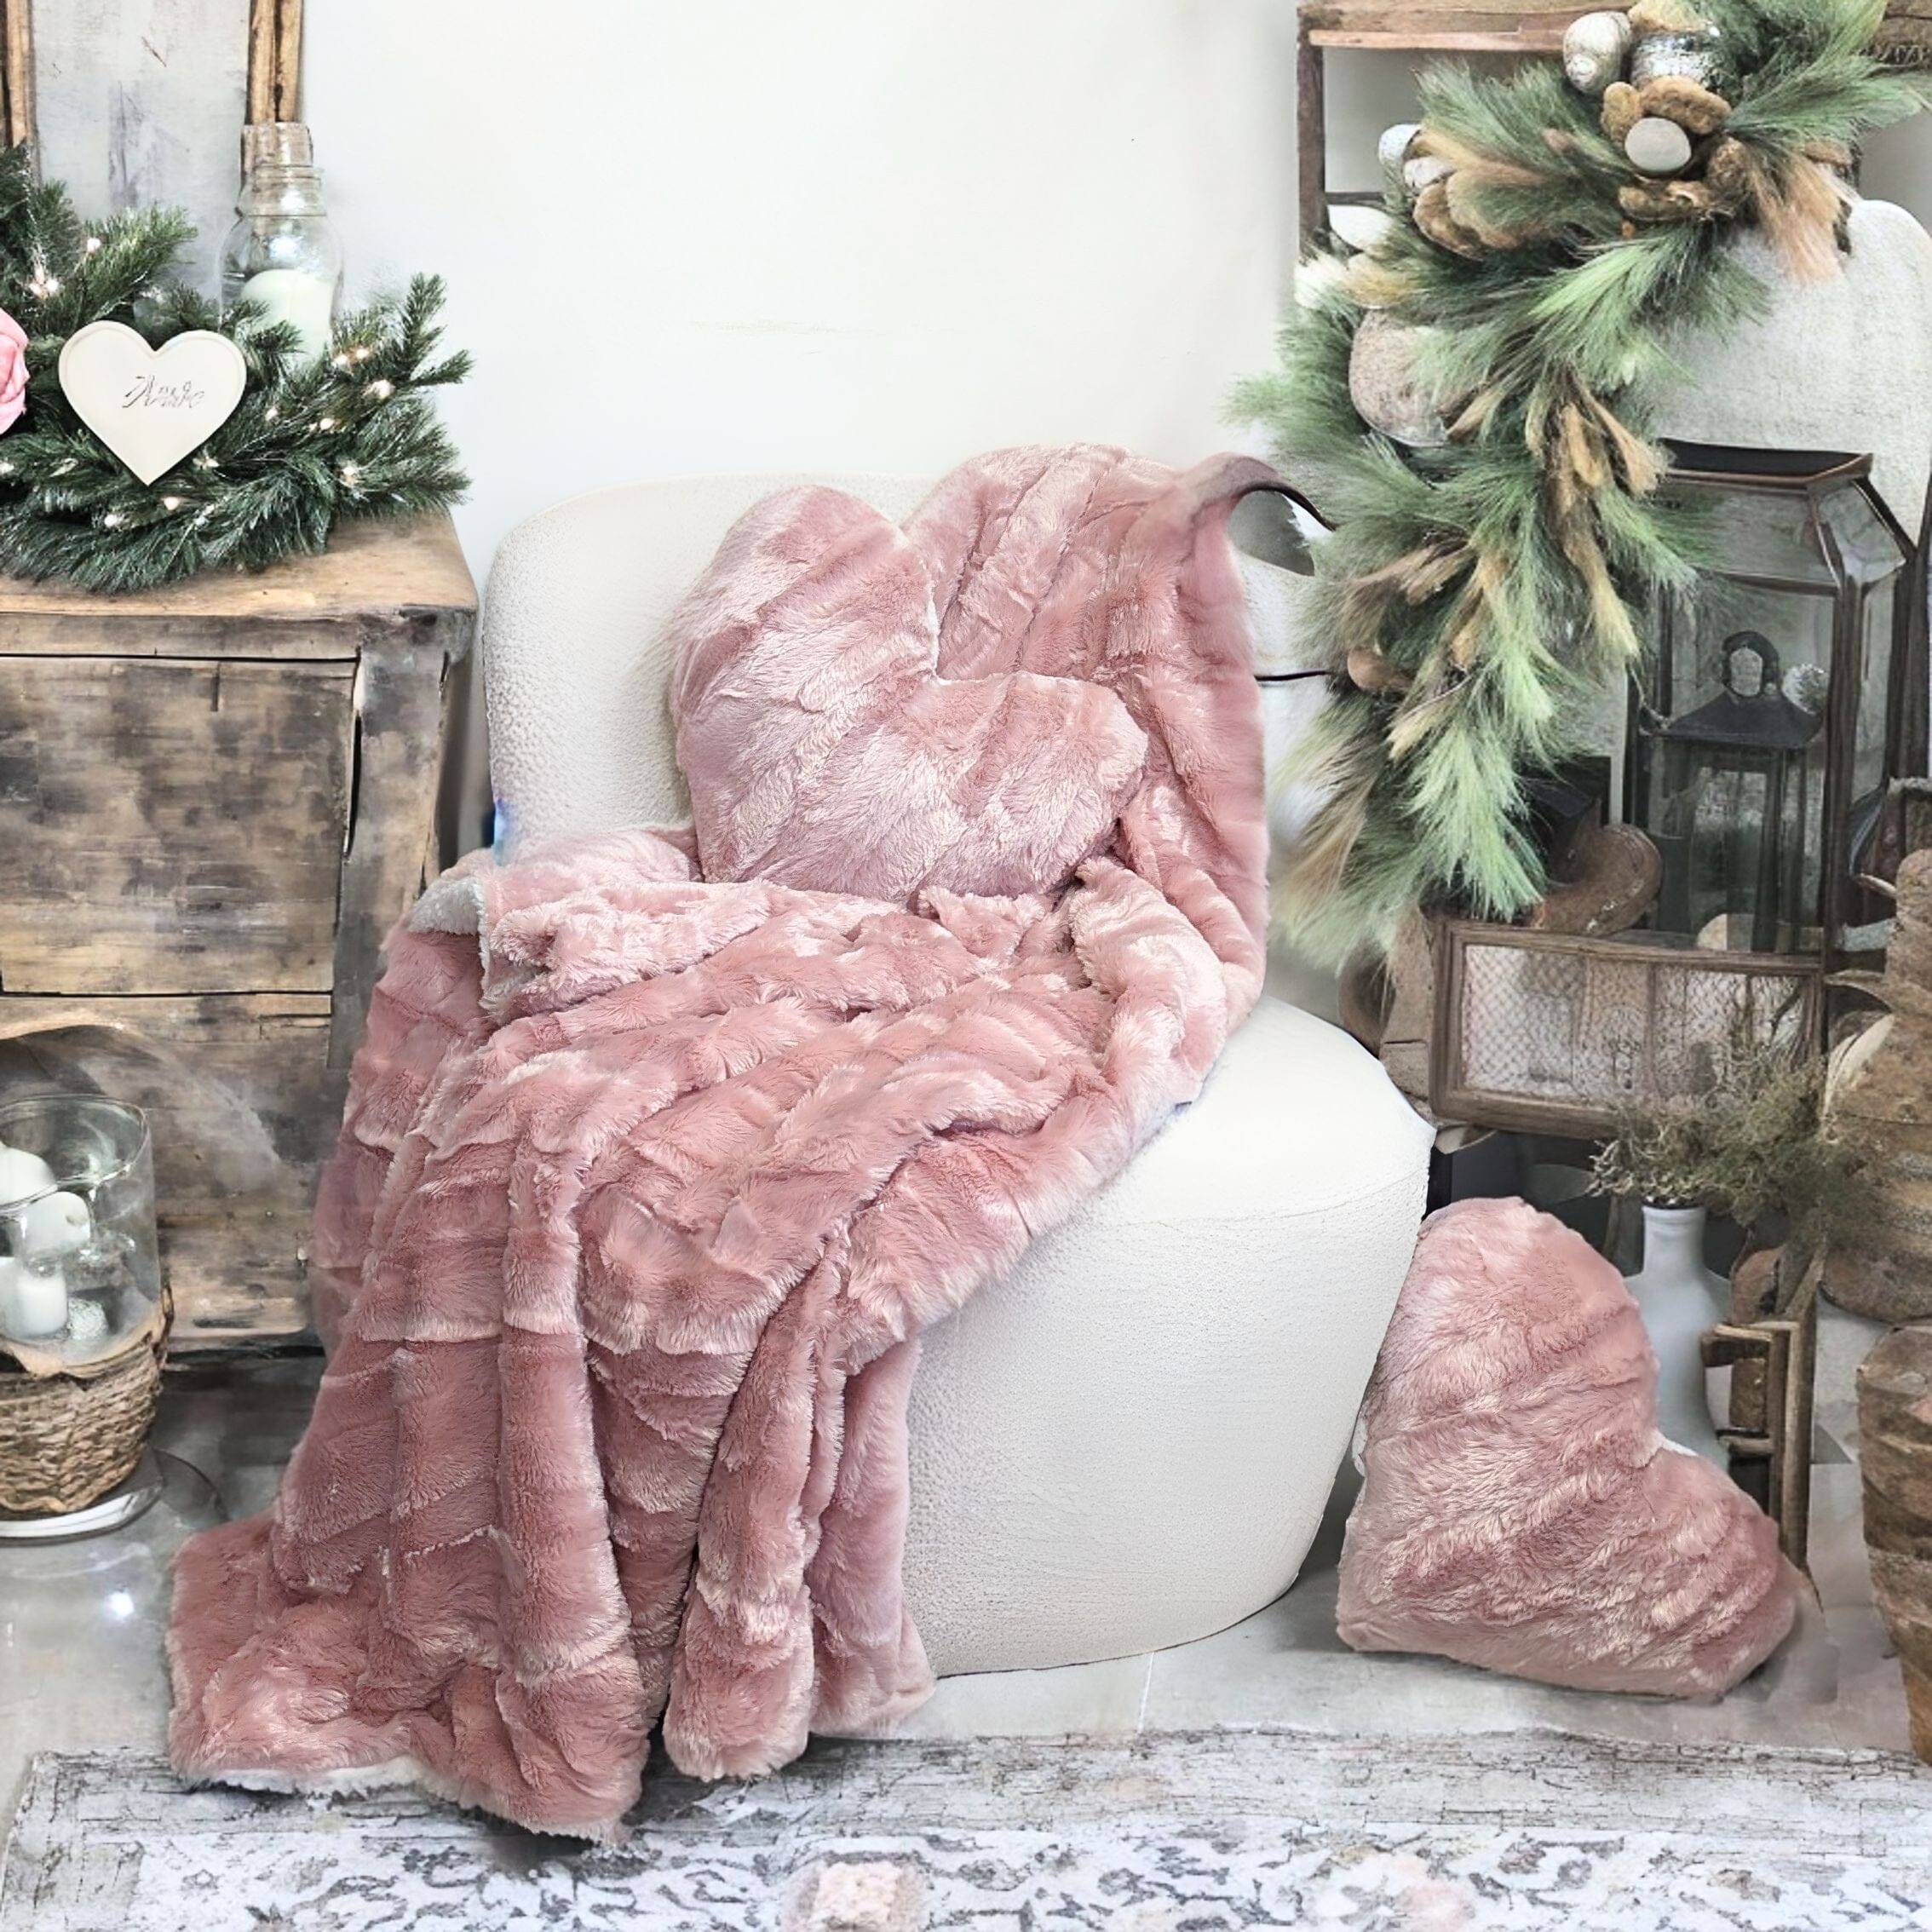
x=353 y=434
x=1425 y=774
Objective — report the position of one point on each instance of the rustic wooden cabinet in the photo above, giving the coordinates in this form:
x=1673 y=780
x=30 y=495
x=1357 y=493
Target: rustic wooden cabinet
x=215 y=801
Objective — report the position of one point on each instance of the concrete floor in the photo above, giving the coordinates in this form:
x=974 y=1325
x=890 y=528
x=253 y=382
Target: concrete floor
x=80 y=1663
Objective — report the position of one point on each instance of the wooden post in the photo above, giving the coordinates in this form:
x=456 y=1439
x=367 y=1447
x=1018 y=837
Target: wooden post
x=16 y=70
x=274 y=60
x=1895 y=1426
x=1311 y=139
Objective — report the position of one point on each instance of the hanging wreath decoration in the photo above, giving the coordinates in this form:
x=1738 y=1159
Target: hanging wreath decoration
x=1499 y=528
x=311 y=441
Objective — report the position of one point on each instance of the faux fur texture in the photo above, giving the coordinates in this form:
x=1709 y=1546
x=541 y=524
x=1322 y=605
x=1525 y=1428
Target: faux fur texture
x=798 y=691
x=644 y=1192
x=1520 y=1510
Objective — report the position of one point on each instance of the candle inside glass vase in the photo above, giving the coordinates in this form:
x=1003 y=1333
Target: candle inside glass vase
x=283 y=252
x=33 y=1289
x=295 y=296
x=80 y=1270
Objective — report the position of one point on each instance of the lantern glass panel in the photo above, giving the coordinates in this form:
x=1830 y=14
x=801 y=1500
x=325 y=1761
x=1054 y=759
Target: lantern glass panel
x=1874 y=563
x=1872 y=744
x=1767 y=533
x=1772 y=716
x=1735 y=764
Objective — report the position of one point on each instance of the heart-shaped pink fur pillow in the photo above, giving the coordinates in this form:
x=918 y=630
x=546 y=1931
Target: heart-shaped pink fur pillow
x=1520 y=1510
x=824 y=750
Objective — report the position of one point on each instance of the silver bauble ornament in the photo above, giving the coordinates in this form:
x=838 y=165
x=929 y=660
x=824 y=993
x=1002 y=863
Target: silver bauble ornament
x=1594 y=51
x=1657 y=147
x=1695 y=55
x=1393 y=149
x=1385 y=388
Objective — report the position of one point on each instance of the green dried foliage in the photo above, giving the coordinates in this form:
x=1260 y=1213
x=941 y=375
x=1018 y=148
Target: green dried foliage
x=353 y=435
x=1754 y=1145
x=1425 y=784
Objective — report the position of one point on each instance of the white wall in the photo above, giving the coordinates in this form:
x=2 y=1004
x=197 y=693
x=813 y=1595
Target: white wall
x=712 y=234
x=857 y=233
x=688 y=235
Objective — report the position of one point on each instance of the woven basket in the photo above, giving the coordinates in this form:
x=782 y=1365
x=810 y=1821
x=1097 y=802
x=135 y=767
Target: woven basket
x=66 y=1439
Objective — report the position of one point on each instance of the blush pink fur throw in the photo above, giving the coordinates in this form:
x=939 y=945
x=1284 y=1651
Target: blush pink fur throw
x=650 y=1179
x=1518 y=1508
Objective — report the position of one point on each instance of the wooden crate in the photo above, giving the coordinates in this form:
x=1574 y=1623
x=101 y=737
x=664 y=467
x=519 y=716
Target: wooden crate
x=1552 y=1033
x=1770 y=1346
x=215 y=801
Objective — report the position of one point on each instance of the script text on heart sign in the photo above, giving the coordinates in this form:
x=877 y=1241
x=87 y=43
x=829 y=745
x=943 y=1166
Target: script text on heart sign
x=144 y=393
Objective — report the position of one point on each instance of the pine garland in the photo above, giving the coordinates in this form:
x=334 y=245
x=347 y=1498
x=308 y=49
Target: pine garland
x=1478 y=593
x=353 y=434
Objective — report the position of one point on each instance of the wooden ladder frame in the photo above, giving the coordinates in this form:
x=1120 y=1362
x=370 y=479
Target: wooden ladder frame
x=1432 y=26
x=274 y=65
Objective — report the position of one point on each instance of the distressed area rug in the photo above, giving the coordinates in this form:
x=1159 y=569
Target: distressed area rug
x=1153 y=1834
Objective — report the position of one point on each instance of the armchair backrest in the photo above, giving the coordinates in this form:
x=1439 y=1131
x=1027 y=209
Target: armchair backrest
x=576 y=661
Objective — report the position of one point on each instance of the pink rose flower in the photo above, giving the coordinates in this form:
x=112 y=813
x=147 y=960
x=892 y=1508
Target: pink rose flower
x=13 y=372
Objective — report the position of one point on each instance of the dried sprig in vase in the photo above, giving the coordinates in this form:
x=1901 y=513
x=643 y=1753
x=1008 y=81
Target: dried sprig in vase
x=1755 y=1146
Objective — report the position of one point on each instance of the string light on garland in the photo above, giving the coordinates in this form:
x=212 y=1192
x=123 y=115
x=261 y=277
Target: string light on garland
x=273 y=479
x=1492 y=467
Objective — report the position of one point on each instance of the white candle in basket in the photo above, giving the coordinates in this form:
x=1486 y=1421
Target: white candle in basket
x=33 y=1301
x=34 y=1291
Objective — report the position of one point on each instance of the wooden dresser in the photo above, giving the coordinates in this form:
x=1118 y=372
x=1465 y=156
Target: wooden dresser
x=215 y=801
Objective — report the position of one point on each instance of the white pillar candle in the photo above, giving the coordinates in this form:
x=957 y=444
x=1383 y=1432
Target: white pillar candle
x=297 y=296
x=22 y=1176
x=33 y=1301
x=55 y=1224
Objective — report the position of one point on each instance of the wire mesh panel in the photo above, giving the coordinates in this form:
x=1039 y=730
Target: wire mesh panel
x=1541 y=1031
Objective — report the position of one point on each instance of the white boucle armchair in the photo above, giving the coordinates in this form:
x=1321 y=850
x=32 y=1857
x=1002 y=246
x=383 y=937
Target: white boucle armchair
x=1128 y=1443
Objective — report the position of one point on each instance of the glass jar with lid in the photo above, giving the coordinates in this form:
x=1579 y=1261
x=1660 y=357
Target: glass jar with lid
x=283 y=252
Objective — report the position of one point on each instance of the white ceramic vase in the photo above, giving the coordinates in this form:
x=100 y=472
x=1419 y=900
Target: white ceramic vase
x=1679 y=1298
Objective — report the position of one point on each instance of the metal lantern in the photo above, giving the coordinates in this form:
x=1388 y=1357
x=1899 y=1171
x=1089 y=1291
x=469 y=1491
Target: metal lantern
x=1786 y=693
x=1731 y=799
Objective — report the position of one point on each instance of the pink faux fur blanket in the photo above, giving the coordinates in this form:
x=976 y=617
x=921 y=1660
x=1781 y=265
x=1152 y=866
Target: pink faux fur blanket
x=649 y=1181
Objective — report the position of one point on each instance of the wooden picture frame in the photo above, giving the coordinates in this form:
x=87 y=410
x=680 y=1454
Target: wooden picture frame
x=16 y=71
x=1649 y=988
x=1451 y=27
x=274 y=60
x=274 y=65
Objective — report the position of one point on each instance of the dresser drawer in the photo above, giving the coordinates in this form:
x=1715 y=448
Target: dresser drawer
x=216 y=799
x=171 y=824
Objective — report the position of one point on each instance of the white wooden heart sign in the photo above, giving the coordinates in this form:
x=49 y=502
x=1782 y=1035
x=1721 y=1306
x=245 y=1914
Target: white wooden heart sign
x=152 y=407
